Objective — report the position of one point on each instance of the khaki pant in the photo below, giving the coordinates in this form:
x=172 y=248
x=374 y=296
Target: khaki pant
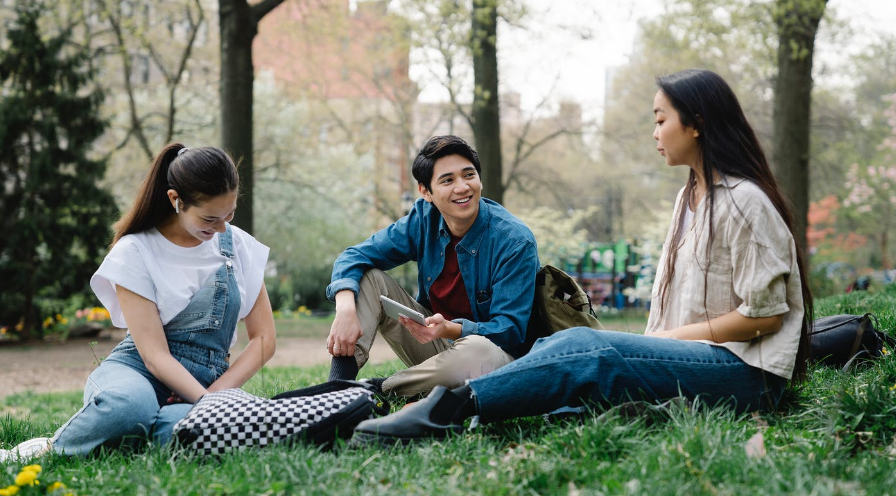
x=439 y=362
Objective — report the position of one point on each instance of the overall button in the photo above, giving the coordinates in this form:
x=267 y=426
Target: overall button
x=217 y=322
x=229 y=263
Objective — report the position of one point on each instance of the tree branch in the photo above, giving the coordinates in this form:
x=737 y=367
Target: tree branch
x=262 y=8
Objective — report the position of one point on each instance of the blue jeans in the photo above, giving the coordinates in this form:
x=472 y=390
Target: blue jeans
x=124 y=404
x=582 y=366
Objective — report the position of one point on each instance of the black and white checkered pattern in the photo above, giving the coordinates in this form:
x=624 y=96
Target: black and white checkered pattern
x=234 y=419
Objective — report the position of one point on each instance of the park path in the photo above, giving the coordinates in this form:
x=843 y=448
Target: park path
x=62 y=367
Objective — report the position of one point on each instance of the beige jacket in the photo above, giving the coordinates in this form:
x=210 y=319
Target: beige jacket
x=752 y=268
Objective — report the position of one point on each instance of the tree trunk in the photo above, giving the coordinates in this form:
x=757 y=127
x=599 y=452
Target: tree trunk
x=797 y=22
x=486 y=113
x=239 y=25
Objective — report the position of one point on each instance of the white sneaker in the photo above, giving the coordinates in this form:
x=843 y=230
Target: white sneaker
x=26 y=450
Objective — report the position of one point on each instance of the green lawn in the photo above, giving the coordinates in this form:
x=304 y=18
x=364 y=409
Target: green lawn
x=834 y=435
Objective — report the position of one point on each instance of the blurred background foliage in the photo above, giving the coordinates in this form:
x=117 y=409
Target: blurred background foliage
x=338 y=117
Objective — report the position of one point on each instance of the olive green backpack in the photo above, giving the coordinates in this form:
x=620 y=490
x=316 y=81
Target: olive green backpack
x=560 y=303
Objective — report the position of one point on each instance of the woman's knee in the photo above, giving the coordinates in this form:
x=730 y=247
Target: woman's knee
x=570 y=338
x=134 y=403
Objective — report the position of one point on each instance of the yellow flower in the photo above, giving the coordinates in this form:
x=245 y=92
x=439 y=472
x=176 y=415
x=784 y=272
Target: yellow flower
x=9 y=491
x=3 y=330
x=47 y=322
x=63 y=321
x=34 y=468
x=26 y=478
x=58 y=316
x=56 y=486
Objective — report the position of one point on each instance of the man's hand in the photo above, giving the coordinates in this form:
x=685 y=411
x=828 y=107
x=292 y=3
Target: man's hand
x=346 y=328
x=437 y=327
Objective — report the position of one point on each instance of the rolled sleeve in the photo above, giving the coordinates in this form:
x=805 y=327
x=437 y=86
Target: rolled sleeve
x=762 y=264
x=468 y=327
x=342 y=284
x=124 y=267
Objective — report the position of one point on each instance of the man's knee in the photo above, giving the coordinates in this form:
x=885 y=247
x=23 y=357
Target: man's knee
x=371 y=279
x=482 y=353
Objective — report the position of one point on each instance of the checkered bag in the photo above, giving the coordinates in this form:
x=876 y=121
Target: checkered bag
x=234 y=419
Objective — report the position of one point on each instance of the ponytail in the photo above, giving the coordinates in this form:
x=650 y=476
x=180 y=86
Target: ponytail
x=195 y=173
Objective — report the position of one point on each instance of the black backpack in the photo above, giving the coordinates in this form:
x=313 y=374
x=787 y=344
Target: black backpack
x=234 y=419
x=842 y=340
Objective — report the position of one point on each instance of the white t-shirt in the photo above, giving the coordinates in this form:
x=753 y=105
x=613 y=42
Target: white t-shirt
x=169 y=275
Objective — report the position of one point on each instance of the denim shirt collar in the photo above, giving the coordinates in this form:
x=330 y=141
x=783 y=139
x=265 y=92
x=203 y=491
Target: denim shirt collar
x=473 y=238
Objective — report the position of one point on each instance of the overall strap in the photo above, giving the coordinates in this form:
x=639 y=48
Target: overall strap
x=226 y=241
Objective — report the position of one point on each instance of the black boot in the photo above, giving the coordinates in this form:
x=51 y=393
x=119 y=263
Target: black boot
x=344 y=368
x=439 y=415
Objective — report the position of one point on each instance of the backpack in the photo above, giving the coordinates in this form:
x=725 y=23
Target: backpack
x=841 y=340
x=234 y=419
x=560 y=303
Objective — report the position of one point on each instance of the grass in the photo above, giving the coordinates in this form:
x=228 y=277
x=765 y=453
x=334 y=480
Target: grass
x=833 y=435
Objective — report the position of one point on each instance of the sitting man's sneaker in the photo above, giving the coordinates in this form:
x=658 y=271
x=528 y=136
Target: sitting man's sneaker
x=27 y=450
x=437 y=416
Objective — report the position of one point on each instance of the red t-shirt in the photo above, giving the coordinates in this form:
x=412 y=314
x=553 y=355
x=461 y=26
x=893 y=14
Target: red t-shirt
x=448 y=295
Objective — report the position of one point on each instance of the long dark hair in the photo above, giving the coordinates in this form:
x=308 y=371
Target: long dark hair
x=727 y=146
x=197 y=174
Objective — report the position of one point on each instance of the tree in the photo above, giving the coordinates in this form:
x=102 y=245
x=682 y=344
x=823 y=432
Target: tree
x=797 y=23
x=53 y=216
x=128 y=29
x=239 y=25
x=486 y=120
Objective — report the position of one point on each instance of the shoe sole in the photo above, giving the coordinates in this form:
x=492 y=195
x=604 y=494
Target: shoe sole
x=362 y=439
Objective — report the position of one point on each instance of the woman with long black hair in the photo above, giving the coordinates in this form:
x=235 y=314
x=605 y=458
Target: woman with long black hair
x=730 y=309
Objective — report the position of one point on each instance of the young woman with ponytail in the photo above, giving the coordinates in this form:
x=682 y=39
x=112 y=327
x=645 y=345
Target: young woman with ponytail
x=730 y=309
x=179 y=278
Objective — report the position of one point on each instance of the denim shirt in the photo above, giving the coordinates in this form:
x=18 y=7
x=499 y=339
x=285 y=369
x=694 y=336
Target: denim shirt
x=498 y=260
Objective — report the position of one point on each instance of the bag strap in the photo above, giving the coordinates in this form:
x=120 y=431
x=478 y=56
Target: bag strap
x=854 y=351
x=325 y=387
x=853 y=360
x=856 y=354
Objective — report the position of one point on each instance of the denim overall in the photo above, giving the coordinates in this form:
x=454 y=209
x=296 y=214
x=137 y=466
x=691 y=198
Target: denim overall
x=125 y=403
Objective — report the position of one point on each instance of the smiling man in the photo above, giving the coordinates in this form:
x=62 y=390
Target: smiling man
x=476 y=279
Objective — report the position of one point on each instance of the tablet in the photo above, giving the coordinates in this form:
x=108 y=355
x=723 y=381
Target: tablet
x=394 y=309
